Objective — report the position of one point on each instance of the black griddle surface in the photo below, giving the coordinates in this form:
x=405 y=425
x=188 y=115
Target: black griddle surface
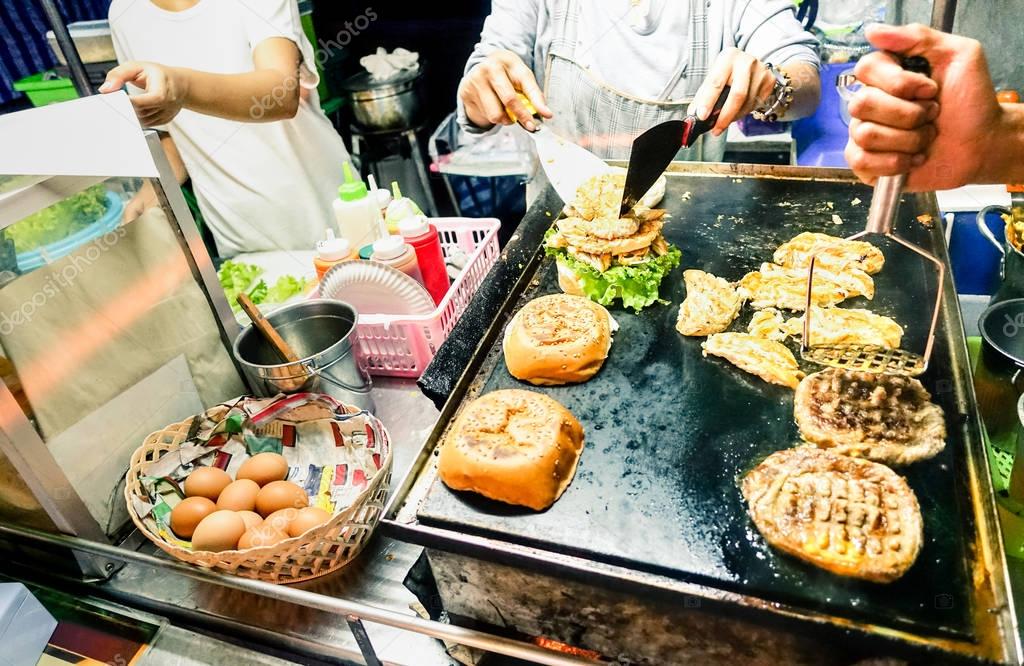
x=669 y=433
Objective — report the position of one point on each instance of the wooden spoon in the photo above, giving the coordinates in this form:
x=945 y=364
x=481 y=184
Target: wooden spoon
x=270 y=334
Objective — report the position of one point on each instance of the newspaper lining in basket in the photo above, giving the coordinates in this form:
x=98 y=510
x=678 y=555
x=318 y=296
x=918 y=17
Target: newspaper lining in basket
x=339 y=455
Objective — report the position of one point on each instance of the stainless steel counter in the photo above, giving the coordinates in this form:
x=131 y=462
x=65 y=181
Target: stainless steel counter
x=175 y=646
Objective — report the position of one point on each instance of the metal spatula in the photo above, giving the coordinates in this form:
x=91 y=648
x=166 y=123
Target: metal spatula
x=885 y=204
x=566 y=164
x=655 y=149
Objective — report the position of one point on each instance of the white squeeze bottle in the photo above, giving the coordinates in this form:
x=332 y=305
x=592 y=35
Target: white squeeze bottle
x=356 y=213
x=383 y=198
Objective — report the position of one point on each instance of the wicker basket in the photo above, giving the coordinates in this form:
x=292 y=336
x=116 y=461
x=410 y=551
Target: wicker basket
x=319 y=551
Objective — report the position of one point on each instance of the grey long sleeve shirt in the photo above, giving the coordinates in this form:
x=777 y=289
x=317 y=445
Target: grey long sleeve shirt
x=640 y=59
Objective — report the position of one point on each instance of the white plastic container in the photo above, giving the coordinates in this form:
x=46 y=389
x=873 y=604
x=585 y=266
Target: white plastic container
x=355 y=212
x=91 y=38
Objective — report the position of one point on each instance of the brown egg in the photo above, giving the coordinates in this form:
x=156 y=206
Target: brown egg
x=188 y=513
x=306 y=519
x=251 y=519
x=281 y=519
x=280 y=495
x=263 y=468
x=239 y=496
x=219 y=531
x=259 y=536
x=206 y=482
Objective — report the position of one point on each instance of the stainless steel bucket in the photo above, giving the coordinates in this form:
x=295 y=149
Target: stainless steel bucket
x=320 y=331
x=999 y=375
x=383 y=106
x=1011 y=266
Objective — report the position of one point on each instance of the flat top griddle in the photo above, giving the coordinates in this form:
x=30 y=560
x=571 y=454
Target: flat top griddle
x=669 y=433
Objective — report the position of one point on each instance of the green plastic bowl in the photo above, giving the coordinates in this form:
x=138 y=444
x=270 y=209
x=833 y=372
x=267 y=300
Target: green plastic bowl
x=42 y=89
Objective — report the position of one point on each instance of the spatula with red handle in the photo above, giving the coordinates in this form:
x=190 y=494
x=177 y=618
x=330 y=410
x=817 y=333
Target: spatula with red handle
x=655 y=149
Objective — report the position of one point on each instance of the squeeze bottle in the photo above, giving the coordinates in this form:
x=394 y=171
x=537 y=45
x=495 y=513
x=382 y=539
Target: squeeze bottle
x=422 y=236
x=395 y=252
x=331 y=251
x=399 y=209
x=383 y=199
x=356 y=213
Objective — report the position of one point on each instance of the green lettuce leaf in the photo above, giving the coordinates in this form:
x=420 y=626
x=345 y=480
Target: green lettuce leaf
x=637 y=286
x=258 y=294
x=60 y=220
x=285 y=287
x=236 y=277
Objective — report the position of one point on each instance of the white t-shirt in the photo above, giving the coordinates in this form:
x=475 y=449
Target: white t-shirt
x=647 y=32
x=260 y=186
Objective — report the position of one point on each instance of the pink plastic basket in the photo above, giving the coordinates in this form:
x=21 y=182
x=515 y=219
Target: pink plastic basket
x=402 y=345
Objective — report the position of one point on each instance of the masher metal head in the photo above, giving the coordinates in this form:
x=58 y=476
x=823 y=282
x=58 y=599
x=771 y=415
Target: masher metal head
x=873 y=358
x=885 y=203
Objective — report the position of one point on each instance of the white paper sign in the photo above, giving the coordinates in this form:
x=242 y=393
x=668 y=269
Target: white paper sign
x=92 y=136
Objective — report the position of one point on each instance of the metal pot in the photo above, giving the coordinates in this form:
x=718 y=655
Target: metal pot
x=1011 y=267
x=999 y=377
x=389 y=105
x=320 y=331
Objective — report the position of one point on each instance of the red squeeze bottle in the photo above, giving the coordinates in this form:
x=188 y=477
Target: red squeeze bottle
x=422 y=235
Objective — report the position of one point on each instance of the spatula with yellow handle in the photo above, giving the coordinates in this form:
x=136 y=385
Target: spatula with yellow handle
x=566 y=164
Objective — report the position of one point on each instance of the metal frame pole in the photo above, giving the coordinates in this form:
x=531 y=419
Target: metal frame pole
x=67 y=46
x=943 y=13
x=348 y=610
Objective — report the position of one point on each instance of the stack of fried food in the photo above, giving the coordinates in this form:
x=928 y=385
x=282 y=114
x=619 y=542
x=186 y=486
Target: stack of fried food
x=606 y=257
x=843 y=270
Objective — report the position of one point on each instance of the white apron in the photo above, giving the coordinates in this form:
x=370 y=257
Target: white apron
x=604 y=119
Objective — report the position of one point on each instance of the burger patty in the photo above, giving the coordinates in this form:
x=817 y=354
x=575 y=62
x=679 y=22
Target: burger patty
x=849 y=516
x=886 y=418
x=577 y=235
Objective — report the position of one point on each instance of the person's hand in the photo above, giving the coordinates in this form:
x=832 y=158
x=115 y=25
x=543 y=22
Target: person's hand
x=493 y=85
x=937 y=130
x=165 y=90
x=751 y=83
x=143 y=200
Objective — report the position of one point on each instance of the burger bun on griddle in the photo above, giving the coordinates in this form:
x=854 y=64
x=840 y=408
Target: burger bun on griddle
x=558 y=339
x=514 y=446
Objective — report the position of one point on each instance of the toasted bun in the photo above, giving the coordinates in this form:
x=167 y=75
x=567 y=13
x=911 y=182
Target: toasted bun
x=567 y=280
x=557 y=339
x=518 y=447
